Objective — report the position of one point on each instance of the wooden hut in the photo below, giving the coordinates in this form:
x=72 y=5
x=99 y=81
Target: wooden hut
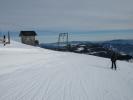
x=28 y=37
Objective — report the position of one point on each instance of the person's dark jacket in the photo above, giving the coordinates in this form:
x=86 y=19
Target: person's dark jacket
x=113 y=57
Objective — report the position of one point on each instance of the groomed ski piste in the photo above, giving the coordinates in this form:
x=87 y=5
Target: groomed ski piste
x=33 y=73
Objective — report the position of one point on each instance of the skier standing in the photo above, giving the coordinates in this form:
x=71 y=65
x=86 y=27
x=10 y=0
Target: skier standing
x=113 y=60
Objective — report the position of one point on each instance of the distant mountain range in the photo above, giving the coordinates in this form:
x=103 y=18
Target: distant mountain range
x=120 y=41
x=101 y=48
x=124 y=46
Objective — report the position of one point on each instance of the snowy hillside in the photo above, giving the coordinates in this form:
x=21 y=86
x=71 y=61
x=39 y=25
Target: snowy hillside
x=33 y=73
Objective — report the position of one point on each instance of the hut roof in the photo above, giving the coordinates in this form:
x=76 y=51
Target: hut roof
x=27 y=33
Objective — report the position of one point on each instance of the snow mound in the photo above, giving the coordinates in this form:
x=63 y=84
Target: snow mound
x=17 y=46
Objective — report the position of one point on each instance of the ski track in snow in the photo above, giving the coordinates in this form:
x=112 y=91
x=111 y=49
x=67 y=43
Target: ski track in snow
x=51 y=75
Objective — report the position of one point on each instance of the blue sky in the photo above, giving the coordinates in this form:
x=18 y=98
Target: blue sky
x=67 y=15
x=52 y=36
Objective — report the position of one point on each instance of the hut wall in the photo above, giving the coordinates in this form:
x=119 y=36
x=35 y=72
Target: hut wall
x=30 y=40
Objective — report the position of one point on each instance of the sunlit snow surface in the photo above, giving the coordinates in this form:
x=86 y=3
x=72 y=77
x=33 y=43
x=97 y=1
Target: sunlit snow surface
x=32 y=73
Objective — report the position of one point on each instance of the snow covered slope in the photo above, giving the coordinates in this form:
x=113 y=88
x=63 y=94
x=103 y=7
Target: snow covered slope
x=32 y=73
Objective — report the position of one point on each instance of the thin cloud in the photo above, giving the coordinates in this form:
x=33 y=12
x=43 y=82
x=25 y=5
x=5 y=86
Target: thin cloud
x=66 y=14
